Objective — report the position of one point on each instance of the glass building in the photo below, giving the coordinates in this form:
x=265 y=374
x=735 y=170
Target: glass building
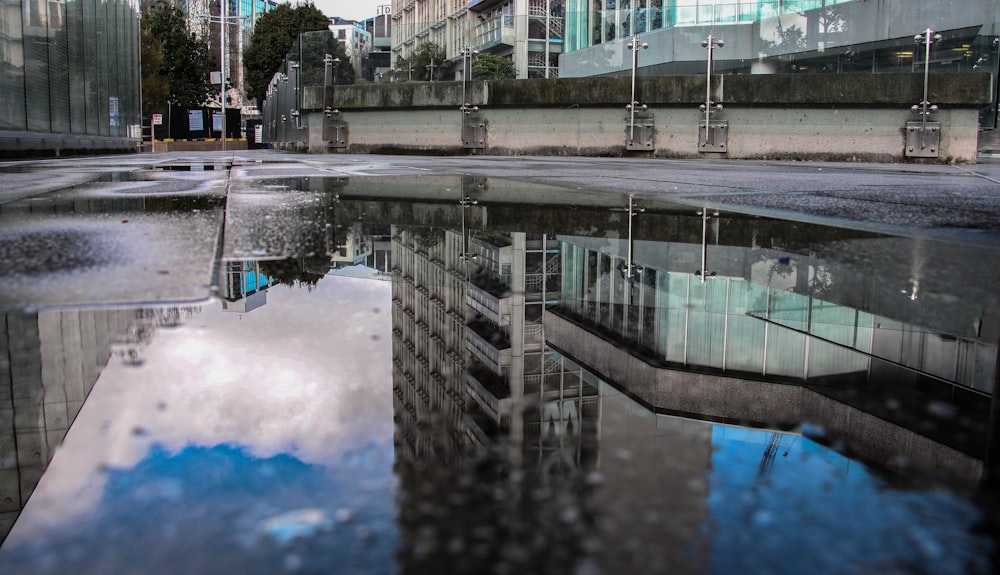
x=69 y=76
x=781 y=36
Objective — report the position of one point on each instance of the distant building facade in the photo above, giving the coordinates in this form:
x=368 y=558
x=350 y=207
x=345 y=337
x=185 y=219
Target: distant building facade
x=205 y=17
x=69 y=76
x=529 y=32
x=380 y=55
x=356 y=40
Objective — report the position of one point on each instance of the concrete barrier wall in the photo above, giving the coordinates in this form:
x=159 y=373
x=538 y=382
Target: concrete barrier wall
x=848 y=117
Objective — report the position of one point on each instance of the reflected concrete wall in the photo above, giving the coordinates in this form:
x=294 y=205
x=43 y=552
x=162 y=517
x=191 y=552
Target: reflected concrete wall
x=722 y=398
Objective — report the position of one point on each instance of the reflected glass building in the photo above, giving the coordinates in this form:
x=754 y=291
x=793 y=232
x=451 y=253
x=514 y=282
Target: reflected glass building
x=69 y=76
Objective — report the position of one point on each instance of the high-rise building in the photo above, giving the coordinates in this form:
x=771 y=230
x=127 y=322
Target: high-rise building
x=356 y=40
x=529 y=32
x=205 y=17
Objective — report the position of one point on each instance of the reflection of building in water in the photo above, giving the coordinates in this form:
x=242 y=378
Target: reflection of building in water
x=49 y=364
x=351 y=246
x=757 y=315
x=725 y=343
x=244 y=286
x=471 y=371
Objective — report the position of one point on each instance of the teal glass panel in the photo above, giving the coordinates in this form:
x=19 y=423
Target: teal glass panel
x=745 y=336
x=745 y=344
x=829 y=359
x=832 y=322
x=785 y=354
x=675 y=335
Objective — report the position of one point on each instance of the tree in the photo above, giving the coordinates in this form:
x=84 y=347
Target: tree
x=313 y=48
x=154 y=85
x=421 y=61
x=493 y=67
x=186 y=60
x=273 y=36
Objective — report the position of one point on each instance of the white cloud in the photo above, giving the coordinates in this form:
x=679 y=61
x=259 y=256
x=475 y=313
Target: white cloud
x=308 y=374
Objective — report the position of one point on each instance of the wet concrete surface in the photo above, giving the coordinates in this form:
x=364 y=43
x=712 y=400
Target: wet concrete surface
x=961 y=203
x=237 y=421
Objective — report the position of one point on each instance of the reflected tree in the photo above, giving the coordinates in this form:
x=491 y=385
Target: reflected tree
x=296 y=272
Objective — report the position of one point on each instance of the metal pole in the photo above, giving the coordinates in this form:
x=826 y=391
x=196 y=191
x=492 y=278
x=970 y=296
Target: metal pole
x=704 y=246
x=631 y=213
x=708 y=92
x=222 y=47
x=633 y=104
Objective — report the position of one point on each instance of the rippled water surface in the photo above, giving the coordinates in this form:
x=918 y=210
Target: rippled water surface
x=223 y=369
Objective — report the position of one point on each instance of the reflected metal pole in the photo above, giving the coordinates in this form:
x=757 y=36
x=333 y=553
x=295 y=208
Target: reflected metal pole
x=703 y=272
x=631 y=270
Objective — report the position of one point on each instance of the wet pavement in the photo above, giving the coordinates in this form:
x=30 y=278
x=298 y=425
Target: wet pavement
x=263 y=362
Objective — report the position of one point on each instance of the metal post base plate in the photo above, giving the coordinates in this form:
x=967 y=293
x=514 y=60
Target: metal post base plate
x=473 y=132
x=335 y=134
x=715 y=139
x=923 y=139
x=639 y=134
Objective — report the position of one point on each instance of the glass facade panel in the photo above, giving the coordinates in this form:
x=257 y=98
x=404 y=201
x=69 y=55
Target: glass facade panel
x=12 y=110
x=736 y=325
x=772 y=36
x=70 y=67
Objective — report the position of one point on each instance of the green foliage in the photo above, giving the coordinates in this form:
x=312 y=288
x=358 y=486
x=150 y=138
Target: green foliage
x=493 y=67
x=273 y=36
x=155 y=87
x=186 y=60
x=420 y=63
x=312 y=50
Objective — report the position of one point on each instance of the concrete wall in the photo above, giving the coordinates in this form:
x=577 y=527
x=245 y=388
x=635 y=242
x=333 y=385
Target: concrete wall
x=848 y=117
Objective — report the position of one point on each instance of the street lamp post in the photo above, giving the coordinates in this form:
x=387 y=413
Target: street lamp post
x=468 y=53
x=223 y=20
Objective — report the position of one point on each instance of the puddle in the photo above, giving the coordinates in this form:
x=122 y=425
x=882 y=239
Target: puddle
x=191 y=167
x=406 y=374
